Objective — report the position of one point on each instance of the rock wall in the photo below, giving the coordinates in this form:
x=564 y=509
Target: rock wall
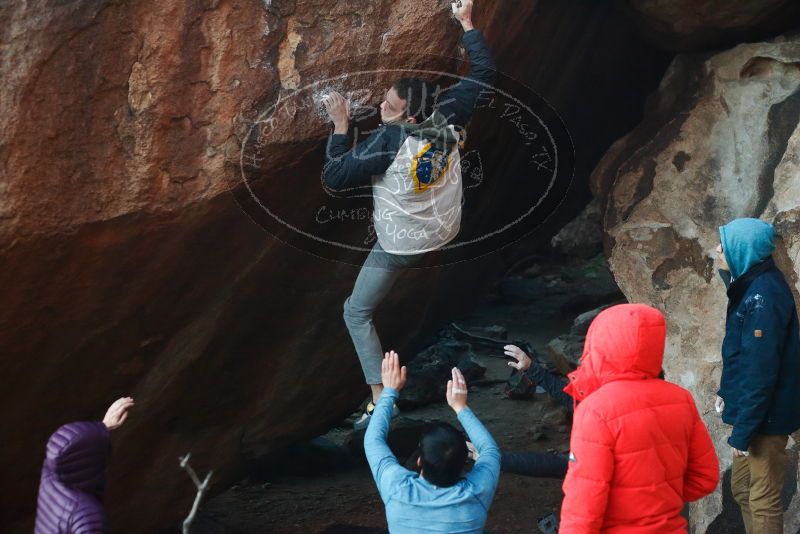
x=720 y=140
x=703 y=24
x=128 y=266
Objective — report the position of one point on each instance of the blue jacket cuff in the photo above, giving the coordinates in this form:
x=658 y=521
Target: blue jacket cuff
x=390 y=392
x=738 y=443
x=463 y=412
x=339 y=139
x=472 y=36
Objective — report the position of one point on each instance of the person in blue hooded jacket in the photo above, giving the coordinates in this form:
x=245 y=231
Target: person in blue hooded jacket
x=760 y=370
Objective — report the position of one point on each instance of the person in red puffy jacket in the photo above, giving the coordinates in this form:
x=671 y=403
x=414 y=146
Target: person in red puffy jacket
x=639 y=449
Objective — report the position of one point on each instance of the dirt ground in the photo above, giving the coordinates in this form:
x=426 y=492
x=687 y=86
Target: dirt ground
x=313 y=504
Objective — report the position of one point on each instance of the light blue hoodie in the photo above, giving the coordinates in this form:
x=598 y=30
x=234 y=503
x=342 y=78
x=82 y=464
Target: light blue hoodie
x=414 y=505
x=746 y=242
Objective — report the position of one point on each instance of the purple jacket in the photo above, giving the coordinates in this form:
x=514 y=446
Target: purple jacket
x=73 y=479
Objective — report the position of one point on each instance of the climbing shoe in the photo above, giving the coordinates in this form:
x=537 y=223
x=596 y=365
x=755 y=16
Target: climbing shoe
x=363 y=421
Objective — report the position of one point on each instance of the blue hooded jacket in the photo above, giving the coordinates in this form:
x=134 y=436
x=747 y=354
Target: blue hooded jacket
x=761 y=349
x=746 y=242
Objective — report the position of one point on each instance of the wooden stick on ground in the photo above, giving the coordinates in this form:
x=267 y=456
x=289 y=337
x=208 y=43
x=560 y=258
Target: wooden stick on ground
x=202 y=487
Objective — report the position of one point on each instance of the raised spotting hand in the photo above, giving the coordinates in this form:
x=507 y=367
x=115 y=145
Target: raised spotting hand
x=457 y=391
x=117 y=413
x=523 y=361
x=392 y=375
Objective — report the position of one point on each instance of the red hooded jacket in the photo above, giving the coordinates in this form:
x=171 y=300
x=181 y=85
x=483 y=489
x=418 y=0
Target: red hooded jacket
x=639 y=449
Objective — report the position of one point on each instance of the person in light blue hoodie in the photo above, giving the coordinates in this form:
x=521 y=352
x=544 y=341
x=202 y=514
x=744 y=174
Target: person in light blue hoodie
x=438 y=498
x=760 y=371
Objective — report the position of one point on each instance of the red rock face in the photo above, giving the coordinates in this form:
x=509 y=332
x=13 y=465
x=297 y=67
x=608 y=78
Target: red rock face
x=128 y=267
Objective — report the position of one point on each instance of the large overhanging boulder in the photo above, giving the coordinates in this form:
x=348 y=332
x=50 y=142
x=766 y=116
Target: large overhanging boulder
x=701 y=24
x=129 y=268
x=719 y=140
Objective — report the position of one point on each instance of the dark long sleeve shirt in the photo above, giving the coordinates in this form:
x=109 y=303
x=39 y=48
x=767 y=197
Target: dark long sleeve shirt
x=552 y=383
x=347 y=167
x=535 y=464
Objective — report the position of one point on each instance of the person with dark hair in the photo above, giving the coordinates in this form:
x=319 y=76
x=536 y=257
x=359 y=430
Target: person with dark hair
x=538 y=464
x=413 y=165
x=552 y=383
x=535 y=464
x=760 y=371
x=440 y=498
x=442 y=454
x=74 y=475
x=639 y=450
x=418 y=95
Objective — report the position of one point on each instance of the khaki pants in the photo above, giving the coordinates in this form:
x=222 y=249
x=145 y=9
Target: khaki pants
x=757 y=481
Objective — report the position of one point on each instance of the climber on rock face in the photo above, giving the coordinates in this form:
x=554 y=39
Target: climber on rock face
x=760 y=370
x=413 y=165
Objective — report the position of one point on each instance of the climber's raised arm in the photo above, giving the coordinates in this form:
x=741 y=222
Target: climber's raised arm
x=458 y=102
x=347 y=167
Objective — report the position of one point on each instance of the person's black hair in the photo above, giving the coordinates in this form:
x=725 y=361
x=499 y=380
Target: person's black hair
x=419 y=97
x=443 y=452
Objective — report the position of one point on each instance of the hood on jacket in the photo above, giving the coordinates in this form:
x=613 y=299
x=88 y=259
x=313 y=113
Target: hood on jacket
x=434 y=129
x=746 y=242
x=624 y=342
x=77 y=454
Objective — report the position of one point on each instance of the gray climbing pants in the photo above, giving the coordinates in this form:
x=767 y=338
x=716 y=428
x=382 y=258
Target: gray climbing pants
x=377 y=276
